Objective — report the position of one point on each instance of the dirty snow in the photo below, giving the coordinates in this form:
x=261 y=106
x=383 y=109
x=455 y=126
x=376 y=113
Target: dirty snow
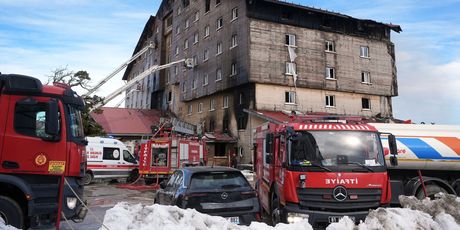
x=443 y=213
x=125 y=216
x=6 y=227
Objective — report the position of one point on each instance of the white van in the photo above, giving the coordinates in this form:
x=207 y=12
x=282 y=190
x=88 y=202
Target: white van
x=109 y=159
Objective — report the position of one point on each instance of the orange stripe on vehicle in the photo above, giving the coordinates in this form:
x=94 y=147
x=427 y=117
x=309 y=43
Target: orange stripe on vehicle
x=451 y=142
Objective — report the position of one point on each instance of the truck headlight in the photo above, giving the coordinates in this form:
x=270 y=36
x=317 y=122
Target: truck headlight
x=293 y=217
x=71 y=202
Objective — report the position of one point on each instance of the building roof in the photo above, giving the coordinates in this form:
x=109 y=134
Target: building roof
x=127 y=122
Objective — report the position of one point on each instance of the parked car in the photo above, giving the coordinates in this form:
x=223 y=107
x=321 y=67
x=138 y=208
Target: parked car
x=218 y=191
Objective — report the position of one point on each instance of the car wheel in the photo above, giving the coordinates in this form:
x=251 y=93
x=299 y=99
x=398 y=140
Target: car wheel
x=11 y=213
x=88 y=178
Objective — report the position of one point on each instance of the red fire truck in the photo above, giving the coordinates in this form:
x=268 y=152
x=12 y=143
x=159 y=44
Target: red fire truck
x=167 y=151
x=321 y=168
x=41 y=142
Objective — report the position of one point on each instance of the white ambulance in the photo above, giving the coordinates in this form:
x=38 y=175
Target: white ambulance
x=109 y=158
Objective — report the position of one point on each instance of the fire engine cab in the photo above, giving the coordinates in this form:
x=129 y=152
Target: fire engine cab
x=321 y=169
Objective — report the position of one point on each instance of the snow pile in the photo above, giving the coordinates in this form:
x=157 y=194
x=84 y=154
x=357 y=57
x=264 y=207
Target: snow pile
x=442 y=213
x=126 y=216
x=6 y=227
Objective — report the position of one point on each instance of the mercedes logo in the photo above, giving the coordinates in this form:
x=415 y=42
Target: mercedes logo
x=224 y=195
x=340 y=193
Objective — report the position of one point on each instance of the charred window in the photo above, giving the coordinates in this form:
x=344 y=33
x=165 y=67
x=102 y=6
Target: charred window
x=225 y=124
x=242 y=121
x=207 y=6
x=366 y=103
x=111 y=154
x=212 y=124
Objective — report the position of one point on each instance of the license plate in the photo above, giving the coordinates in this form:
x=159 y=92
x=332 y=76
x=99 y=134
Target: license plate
x=234 y=219
x=335 y=219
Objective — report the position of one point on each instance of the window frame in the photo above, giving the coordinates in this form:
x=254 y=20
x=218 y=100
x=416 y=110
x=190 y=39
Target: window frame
x=330 y=101
x=205 y=79
x=234 y=14
x=330 y=70
x=219 y=48
x=206 y=31
x=287 y=69
x=218 y=74
x=225 y=102
x=234 y=41
x=212 y=104
x=189 y=109
x=366 y=77
x=219 y=23
x=233 y=70
x=329 y=44
x=368 y=103
x=200 y=107
x=288 y=40
x=289 y=96
x=364 y=52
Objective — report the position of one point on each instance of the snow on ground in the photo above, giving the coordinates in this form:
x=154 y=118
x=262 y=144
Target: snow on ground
x=6 y=227
x=442 y=213
x=125 y=216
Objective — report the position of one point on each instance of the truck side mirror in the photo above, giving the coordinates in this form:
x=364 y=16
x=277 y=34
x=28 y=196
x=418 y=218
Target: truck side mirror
x=52 y=119
x=392 y=144
x=393 y=160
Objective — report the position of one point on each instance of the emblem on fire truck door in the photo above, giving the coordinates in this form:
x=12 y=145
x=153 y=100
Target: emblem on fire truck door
x=40 y=159
x=340 y=193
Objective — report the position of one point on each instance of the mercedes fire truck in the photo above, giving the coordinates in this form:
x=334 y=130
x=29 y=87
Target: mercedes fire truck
x=321 y=169
x=42 y=149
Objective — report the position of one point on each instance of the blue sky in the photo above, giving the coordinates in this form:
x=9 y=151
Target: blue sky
x=37 y=36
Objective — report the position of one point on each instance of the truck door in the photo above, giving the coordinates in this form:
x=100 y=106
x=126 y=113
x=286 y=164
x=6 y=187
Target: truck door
x=269 y=164
x=27 y=147
x=279 y=156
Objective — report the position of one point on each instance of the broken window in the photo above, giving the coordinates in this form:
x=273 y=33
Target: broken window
x=234 y=41
x=219 y=48
x=195 y=38
x=234 y=13
x=364 y=51
x=289 y=97
x=220 y=23
x=366 y=103
x=233 y=70
x=190 y=109
x=365 y=77
x=207 y=6
x=219 y=74
x=205 y=79
x=186 y=44
x=206 y=31
x=330 y=73
x=291 y=68
x=241 y=122
x=169 y=96
x=330 y=101
x=330 y=46
x=290 y=39
x=206 y=55
x=225 y=123
x=225 y=102
x=212 y=104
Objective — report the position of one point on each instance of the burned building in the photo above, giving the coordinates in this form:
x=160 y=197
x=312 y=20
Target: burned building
x=253 y=56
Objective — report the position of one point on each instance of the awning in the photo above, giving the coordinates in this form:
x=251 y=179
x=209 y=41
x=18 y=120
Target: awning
x=219 y=138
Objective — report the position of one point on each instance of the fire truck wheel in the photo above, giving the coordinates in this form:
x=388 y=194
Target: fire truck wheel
x=11 y=213
x=88 y=178
x=431 y=190
x=133 y=175
x=275 y=209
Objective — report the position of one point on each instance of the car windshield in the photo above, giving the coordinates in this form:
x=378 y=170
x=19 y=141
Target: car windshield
x=330 y=148
x=75 y=121
x=218 y=180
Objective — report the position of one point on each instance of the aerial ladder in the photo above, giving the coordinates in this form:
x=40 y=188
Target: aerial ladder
x=187 y=62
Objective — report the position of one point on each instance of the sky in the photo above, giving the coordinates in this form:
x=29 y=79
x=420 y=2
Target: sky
x=38 y=36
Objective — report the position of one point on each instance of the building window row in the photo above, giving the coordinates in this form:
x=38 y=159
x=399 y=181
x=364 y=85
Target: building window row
x=330 y=102
x=212 y=105
x=290 y=40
